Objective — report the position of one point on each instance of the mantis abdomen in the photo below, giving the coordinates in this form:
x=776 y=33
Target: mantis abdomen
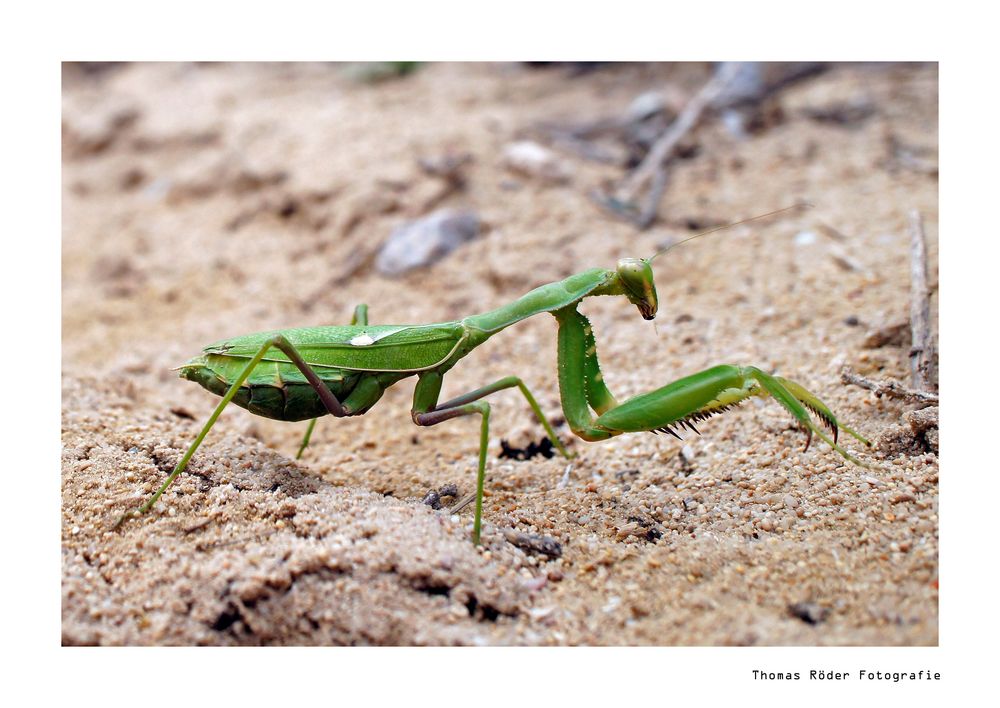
x=282 y=395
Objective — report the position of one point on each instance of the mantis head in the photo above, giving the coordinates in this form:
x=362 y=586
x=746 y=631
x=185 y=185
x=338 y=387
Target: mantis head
x=636 y=277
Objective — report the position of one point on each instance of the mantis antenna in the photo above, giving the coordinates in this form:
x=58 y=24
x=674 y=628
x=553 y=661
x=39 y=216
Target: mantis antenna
x=799 y=205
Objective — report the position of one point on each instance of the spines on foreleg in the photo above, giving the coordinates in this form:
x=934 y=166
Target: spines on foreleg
x=576 y=394
x=689 y=399
x=692 y=399
x=703 y=413
x=598 y=395
x=796 y=399
x=819 y=408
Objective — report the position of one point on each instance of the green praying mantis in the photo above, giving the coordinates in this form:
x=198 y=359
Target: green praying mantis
x=303 y=374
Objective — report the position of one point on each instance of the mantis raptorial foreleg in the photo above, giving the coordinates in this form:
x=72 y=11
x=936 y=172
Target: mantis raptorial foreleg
x=580 y=378
x=427 y=412
x=279 y=342
x=678 y=405
x=360 y=317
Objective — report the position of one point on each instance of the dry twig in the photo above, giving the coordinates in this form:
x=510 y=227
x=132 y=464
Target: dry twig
x=580 y=139
x=923 y=364
x=462 y=503
x=886 y=387
x=655 y=160
x=652 y=172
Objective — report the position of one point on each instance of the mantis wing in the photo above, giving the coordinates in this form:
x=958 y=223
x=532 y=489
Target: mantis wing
x=376 y=348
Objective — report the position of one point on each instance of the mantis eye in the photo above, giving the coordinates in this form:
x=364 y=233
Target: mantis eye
x=636 y=277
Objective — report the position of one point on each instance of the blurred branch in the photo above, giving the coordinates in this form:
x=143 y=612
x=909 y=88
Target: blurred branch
x=923 y=357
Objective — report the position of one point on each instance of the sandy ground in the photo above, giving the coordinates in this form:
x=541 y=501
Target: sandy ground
x=203 y=201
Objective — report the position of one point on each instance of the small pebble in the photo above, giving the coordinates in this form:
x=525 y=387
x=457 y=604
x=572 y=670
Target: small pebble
x=419 y=243
x=538 y=613
x=646 y=105
x=533 y=160
x=808 y=612
x=805 y=238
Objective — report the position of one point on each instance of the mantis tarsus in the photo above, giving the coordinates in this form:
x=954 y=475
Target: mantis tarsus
x=302 y=374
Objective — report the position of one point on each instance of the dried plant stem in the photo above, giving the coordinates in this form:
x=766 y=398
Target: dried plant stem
x=663 y=148
x=922 y=355
x=886 y=387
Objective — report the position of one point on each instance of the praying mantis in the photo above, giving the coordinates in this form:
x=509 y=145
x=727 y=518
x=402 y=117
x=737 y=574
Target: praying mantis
x=305 y=373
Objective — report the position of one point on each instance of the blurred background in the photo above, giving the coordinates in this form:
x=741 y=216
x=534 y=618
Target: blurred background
x=205 y=200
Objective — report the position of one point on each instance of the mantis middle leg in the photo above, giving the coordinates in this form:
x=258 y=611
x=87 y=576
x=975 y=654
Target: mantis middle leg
x=427 y=412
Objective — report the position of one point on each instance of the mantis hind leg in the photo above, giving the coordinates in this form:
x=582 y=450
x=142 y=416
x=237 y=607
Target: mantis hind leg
x=279 y=342
x=360 y=317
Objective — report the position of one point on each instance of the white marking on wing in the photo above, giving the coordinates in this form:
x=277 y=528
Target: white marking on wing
x=362 y=340
x=366 y=338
